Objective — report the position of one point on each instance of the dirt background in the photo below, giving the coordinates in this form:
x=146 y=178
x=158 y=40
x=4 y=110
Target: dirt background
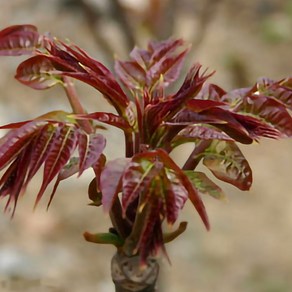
x=249 y=246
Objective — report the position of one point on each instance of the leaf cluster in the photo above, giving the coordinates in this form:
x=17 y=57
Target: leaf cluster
x=147 y=187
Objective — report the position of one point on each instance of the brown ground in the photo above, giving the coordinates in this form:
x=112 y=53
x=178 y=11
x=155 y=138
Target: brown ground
x=249 y=246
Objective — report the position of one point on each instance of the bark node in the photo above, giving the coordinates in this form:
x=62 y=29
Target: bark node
x=129 y=276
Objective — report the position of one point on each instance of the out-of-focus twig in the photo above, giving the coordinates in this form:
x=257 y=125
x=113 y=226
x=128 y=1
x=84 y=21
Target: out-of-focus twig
x=161 y=17
x=204 y=18
x=238 y=70
x=119 y=14
x=170 y=13
x=92 y=18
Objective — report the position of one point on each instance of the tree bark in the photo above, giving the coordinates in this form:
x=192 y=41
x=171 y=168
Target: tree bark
x=129 y=276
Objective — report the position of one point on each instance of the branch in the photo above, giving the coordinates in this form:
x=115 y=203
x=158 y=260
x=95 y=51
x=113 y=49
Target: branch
x=119 y=15
x=75 y=104
x=204 y=19
x=92 y=18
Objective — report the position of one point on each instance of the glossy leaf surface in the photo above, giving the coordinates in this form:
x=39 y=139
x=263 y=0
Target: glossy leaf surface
x=204 y=185
x=145 y=188
x=111 y=181
x=44 y=142
x=227 y=163
x=158 y=66
x=19 y=40
x=196 y=133
x=38 y=72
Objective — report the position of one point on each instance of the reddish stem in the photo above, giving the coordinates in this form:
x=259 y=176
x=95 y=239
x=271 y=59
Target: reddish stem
x=195 y=157
x=75 y=103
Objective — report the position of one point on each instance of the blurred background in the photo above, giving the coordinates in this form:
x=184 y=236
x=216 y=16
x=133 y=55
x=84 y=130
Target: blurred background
x=249 y=246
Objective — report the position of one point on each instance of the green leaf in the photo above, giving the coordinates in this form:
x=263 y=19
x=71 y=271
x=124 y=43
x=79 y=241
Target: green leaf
x=104 y=238
x=228 y=164
x=204 y=185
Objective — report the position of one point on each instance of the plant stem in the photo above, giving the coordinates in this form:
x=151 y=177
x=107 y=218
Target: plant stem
x=119 y=223
x=146 y=289
x=195 y=157
x=129 y=276
x=129 y=145
x=75 y=103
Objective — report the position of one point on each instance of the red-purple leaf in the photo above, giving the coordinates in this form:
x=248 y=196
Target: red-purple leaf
x=107 y=118
x=228 y=164
x=136 y=180
x=193 y=133
x=92 y=72
x=51 y=140
x=14 y=125
x=255 y=127
x=149 y=167
x=220 y=118
x=90 y=149
x=131 y=74
x=28 y=147
x=41 y=149
x=10 y=30
x=151 y=238
x=154 y=68
x=199 y=105
x=94 y=192
x=167 y=70
x=141 y=56
x=38 y=72
x=165 y=110
x=192 y=192
x=19 y=40
x=8 y=180
x=109 y=88
x=14 y=179
x=71 y=168
x=111 y=181
x=280 y=90
x=212 y=92
x=192 y=83
x=16 y=140
x=269 y=110
x=61 y=150
x=163 y=49
x=176 y=196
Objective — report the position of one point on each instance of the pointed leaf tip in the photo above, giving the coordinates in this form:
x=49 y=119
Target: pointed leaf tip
x=19 y=40
x=38 y=72
x=90 y=148
x=111 y=181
